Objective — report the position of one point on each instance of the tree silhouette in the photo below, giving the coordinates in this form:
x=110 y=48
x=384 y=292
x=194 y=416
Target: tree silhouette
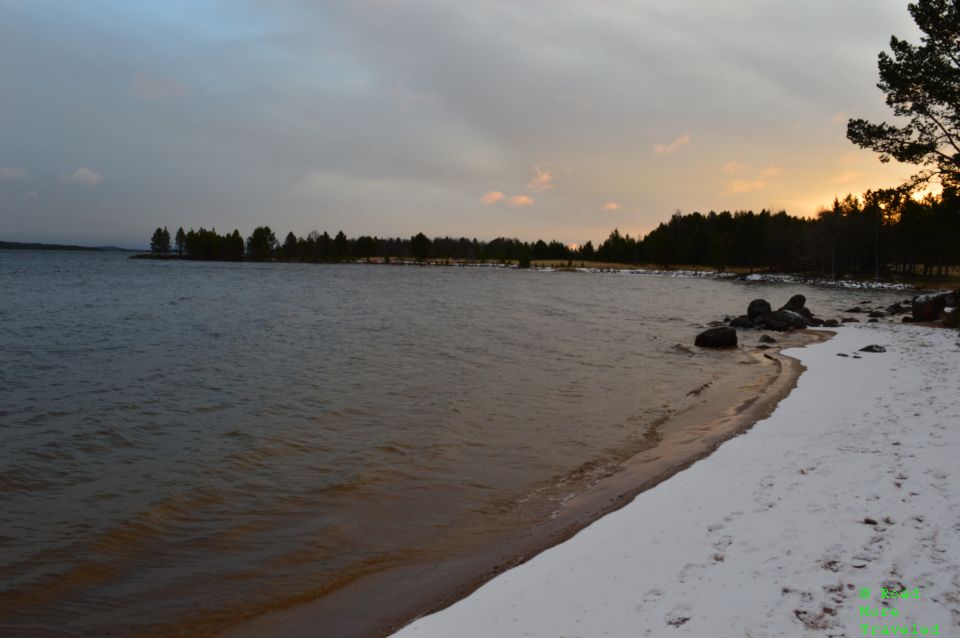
x=181 y=240
x=421 y=246
x=262 y=243
x=922 y=83
x=160 y=242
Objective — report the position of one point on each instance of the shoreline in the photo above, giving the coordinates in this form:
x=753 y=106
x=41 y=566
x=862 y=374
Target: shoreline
x=378 y=604
x=847 y=489
x=590 y=267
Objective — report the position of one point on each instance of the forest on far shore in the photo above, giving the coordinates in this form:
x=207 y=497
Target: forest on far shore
x=880 y=234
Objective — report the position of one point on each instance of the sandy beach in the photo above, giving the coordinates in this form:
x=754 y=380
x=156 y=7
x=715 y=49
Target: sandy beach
x=837 y=515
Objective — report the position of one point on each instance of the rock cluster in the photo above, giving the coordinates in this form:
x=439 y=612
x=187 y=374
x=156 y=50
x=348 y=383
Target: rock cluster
x=795 y=315
x=932 y=306
x=792 y=315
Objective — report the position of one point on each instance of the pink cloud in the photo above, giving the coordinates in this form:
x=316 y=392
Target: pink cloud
x=675 y=145
x=611 y=207
x=542 y=181
x=492 y=197
x=520 y=200
x=746 y=186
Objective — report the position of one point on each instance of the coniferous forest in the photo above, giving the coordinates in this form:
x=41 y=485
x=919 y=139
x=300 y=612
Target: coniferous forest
x=883 y=233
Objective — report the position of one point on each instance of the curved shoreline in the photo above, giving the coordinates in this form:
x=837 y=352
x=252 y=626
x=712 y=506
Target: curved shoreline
x=379 y=604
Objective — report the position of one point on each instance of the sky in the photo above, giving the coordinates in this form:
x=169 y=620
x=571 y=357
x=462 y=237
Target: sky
x=534 y=119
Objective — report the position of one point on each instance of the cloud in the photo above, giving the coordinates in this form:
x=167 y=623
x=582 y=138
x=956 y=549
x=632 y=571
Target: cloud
x=750 y=185
x=770 y=171
x=845 y=177
x=150 y=87
x=746 y=186
x=491 y=197
x=520 y=200
x=675 y=145
x=611 y=207
x=542 y=181
x=733 y=167
x=12 y=173
x=84 y=176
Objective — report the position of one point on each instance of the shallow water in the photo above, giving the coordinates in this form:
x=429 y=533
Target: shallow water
x=186 y=443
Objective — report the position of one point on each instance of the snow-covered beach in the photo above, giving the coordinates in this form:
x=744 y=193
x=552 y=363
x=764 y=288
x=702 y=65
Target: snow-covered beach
x=849 y=490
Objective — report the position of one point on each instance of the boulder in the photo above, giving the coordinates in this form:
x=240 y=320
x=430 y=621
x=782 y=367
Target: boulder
x=850 y=320
x=724 y=337
x=873 y=348
x=767 y=339
x=854 y=309
x=796 y=304
x=877 y=314
x=758 y=308
x=896 y=309
x=815 y=322
x=928 y=307
x=831 y=323
x=785 y=320
x=743 y=321
x=907 y=319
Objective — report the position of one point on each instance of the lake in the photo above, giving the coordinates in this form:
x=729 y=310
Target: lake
x=185 y=444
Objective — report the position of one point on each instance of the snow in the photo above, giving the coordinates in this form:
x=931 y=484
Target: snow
x=853 y=482
x=770 y=278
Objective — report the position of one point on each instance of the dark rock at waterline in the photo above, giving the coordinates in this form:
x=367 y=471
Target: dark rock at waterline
x=928 y=307
x=767 y=339
x=796 y=304
x=873 y=348
x=907 y=319
x=715 y=324
x=724 y=337
x=874 y=320
x=877 y=314
x=758 y=308
x=850 y=320
x=743 y=321
x=896 y=309
x=784 y=320
x=831 y=323
x=815 y=322
x=855 y=309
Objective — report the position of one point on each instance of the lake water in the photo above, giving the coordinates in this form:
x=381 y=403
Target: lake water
x=183 y=444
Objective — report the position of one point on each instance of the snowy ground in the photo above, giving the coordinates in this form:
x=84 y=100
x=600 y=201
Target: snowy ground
x=852 y=484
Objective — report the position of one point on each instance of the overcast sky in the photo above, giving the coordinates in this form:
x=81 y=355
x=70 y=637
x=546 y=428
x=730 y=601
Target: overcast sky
x=540 y=118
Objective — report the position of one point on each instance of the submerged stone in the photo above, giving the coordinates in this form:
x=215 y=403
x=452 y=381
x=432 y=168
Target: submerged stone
x=724 y=337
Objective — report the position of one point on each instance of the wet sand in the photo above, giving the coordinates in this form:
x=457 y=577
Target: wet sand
x=378 y=603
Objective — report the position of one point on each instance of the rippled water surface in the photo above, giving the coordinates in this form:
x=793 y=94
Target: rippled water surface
x=186 y=443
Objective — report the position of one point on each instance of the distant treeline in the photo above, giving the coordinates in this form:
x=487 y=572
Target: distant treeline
x=16 y=245
x=882 y=233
